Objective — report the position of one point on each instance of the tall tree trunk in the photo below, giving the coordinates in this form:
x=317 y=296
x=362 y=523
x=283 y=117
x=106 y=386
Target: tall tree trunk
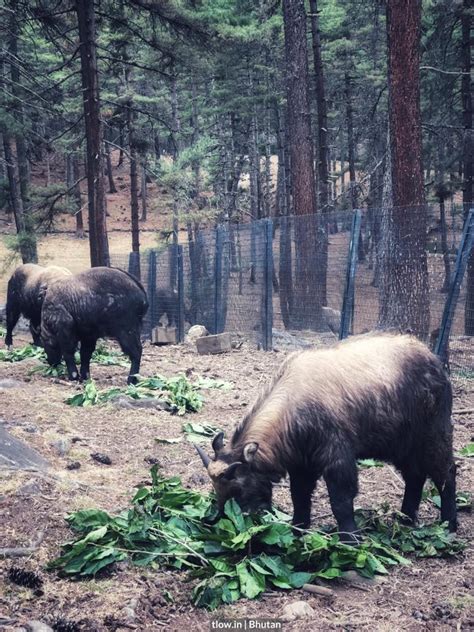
x=310 y=281
x=134 y=215
x=28 y=246
x=468 y=153
x=24 y=244
x=143 y=191
x=75 y=191
x=323 y=150
x=405 y=299
x=98 y=241
x=350 y=139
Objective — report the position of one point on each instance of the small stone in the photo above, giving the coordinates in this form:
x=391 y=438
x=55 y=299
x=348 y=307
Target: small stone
x=38 y=626
x=297 y=610
x=101 y=458
x=31 y=428
x=196 y=331
x=73 y=465
x=151 y=460
x=62 y=446
x=9 y=383
x=31 y=488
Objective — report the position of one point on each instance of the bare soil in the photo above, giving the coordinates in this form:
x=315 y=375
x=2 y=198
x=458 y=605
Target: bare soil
x=428 y=595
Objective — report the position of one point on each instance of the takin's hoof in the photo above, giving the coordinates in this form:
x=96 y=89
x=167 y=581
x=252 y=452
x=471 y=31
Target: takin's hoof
x=74 y=377
x=132 y=379
x=351 y=538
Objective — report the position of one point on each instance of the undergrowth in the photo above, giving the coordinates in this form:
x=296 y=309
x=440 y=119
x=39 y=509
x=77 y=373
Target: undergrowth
x=238 y=555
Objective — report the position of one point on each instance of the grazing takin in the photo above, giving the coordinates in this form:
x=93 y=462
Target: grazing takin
x=26 y=291
x=379 y=395
x=98 y=303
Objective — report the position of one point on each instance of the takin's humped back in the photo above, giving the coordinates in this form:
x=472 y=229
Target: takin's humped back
x=379 y=395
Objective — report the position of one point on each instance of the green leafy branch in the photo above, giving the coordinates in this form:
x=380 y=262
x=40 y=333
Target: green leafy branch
x=238 y=555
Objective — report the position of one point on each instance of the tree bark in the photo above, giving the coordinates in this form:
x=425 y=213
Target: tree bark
x=110 y=175
x=322 y=136
x=143 y=191
x=405 y=299
x=73 y=176
x=468 y=153
x=98 y=241
x=309 y=290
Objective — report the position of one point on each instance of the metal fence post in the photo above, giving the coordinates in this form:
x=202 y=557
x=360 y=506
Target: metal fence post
x=268 y=287
x=465 y=247
x=151 y=287
x=218 y=278
x=347 y=312
x=180 y=265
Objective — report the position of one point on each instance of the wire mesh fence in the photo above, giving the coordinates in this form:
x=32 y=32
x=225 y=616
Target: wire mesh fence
x=291 y=282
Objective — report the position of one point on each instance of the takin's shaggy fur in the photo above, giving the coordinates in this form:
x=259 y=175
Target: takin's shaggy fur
x=98 y=303
x=379 y=395
x=26 y=291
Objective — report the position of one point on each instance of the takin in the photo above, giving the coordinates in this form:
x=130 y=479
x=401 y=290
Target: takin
x=98 y=303
x=378 y=395
x=26 y=291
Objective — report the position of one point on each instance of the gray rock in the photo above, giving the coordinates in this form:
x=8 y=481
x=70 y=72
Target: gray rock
x=297 y=610
x=332 y=319
x=31 y=428
x=196 y=331
x=38 y=626
x=16 y=454
x=61 y=446
x=31 y=488
x=9 y=383
x=149 y=402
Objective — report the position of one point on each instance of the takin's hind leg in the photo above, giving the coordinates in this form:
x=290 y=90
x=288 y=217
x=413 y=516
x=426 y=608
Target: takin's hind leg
x=446 y=484
x=87 y=349
x=414 y=482
x=341 y=481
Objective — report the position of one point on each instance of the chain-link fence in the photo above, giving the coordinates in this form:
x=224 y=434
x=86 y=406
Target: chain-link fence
x=290 y=282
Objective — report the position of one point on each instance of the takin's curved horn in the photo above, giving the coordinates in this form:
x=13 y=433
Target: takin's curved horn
x=204 y=457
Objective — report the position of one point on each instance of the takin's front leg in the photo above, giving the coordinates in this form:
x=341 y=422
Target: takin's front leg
x=341 y=481
x=131 y=345
x=302 y=484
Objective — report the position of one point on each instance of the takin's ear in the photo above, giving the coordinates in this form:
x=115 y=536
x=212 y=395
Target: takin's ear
x=218 y=442
x=250 y=450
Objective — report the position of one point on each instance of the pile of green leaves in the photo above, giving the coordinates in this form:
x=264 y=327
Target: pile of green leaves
x=23 y=353
x=467 y=450
x=178 y=392
x=238 y=555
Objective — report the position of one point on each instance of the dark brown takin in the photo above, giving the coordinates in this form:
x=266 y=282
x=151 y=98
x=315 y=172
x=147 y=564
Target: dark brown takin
x=379 y=395
x=26 y=291
x=97 y=303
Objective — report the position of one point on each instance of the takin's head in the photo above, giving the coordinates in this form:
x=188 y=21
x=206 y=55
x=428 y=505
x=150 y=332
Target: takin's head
x=233 y=475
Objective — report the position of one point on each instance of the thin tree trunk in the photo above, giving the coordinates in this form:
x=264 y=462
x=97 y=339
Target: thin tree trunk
x=143 y=192
x=444 y=244
x=468 y=153
x=121 y=144
x=134 y=215
x=350 y=139
x=99 y=245
x=323 y=153
x=405 y=290
x=27 y=238
x=75 y=192
x=110 y=175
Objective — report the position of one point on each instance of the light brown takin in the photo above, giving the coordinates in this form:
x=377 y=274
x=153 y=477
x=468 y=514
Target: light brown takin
x=25 y=295
x=379 y=395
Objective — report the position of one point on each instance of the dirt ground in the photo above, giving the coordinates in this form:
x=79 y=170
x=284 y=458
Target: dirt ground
x=428 y=595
